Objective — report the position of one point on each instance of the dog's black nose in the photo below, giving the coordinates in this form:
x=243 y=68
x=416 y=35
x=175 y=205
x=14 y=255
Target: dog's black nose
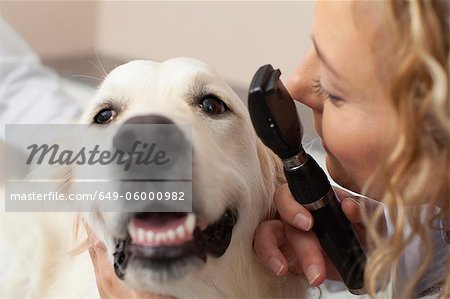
x=164 y=134
x=149 y=119
x=152 y=137
x=157 y=154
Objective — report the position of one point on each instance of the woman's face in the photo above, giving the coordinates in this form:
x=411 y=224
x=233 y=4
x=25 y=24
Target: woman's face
x=341 y=80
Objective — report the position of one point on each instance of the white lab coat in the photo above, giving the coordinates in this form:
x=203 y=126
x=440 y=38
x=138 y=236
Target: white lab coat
x=408 y=264
x=29 y=92
x=413 y=256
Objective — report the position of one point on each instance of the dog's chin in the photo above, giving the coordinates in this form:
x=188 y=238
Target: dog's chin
x=163 y=247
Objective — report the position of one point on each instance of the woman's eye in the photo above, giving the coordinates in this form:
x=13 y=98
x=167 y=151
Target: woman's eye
x=213 y=105
x=105 y=116
x=318 y=89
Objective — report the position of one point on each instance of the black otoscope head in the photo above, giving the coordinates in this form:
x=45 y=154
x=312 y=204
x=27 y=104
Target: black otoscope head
x=273 y=113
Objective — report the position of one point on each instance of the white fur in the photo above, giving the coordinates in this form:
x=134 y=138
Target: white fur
x=244 y=172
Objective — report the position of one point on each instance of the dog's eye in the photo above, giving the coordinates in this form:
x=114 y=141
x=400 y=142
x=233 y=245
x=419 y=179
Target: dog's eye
x=105 y=116
x=213 y=105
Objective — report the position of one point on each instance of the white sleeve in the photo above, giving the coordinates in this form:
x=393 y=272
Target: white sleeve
x=30 y=93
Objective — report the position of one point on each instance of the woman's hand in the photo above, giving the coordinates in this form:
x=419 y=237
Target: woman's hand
x=289 y=244
x=109 y=286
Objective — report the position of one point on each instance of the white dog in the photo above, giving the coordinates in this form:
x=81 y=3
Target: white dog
x=209 y=252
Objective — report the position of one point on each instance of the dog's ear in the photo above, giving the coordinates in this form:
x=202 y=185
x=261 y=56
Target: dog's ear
x=271 y=165
x=62 y=174
x=272 y=173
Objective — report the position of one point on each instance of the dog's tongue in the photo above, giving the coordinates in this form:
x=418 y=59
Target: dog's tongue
x=163 y=229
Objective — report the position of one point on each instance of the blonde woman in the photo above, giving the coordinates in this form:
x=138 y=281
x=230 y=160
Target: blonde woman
x=377 y=81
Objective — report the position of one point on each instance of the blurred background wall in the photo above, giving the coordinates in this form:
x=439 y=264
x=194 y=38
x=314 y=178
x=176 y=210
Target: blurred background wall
x=55 y=29
x=234 y=37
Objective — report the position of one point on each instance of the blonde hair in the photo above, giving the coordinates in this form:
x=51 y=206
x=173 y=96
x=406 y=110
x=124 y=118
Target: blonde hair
x=416 y=173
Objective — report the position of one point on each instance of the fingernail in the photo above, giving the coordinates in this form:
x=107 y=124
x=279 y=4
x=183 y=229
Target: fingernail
x=100 y=245
x=312 y=273
x=276 y=265
x=303 y=222
x=353 y=201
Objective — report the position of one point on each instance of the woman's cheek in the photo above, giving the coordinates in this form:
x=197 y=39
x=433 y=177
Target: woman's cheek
x=356 y=147
x=345 y=150
x=339 y=136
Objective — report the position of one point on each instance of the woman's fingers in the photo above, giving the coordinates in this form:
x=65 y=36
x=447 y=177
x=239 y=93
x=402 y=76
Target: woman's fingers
x=102 y=267
x=298 y=222
x=269 y=237
x=279 y=245
x=309 y=254
x=291 y=211
x=104 y=273
x=109 y=286
x=352 y=209
x=102 y=270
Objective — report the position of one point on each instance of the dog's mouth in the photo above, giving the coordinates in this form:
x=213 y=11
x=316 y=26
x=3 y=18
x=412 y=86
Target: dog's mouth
x=159 y=239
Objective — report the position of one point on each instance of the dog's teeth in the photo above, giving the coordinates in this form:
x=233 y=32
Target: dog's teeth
x=180 y=231
x=132 y=231
x=141 y=234
x=150 y=235
x=171 y=234
x=160 y=237
x=190 y=222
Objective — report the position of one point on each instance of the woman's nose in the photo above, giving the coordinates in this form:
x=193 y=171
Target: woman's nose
x=300 y=83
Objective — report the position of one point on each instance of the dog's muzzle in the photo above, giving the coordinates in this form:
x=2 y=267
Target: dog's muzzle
x=160 y=239
x=157 y=240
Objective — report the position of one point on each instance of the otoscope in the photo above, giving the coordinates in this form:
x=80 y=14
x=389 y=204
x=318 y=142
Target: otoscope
x=276 y=122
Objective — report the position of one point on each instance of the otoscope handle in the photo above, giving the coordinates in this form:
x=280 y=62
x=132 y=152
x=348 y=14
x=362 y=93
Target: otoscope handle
x=310 y=187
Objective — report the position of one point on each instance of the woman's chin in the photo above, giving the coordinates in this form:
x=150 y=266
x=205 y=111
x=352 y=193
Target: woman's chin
x=342 y=178
x=339 y=175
